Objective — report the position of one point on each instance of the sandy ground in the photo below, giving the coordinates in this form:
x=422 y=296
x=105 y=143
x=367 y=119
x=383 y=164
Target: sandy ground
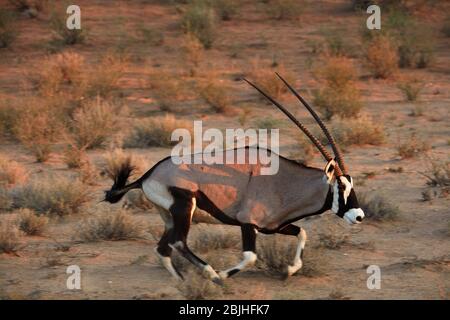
x=412 y=251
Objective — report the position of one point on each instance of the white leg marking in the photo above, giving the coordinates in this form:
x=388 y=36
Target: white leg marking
x=167 y=263
x=157 y=193
x=210 y=272
x=297 y=260
x=249 y=260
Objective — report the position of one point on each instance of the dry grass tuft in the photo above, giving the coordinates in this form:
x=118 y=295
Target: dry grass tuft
x=104 y=77
x=338 y=95
x=200 y=20
x=264 y=77
x=381 y=56
x=284 y=9
x=114 y=226
x=358 y=131
x=6 y=200
x=9 y=236
x=56 y=195
x=94 y=123
x=30 y=223
x=217 y=96
x=411 y=89
x=276 y=252
x=194 y=52
x=412 y=147
x=197 y=287
x=11 y=172
x=155 y=132
x=333 y=239
x=63 y=35
x=377 y=207
x=438 y=176
x=8 y=32
x=208 y=238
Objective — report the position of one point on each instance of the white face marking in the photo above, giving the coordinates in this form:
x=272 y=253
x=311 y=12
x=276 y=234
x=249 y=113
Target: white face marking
x=351 y=215
x=157 y=193
x=348 y=187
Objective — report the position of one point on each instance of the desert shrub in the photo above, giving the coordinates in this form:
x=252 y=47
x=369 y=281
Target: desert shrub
x=264 y=77
x=217 y=96
x=94 y=122
x=334 y=43
x=150 y=36
x=30 y=6
x=63 y=35
x=411 y=89
x=207 y=239
x=7 y=31
x=60 y=72
x=74 y=156
x=333 y=239
x=446 y=27
x=200 y=20
x=381 y=56
x=9 y=236
x=169 y=89
x=30 y=223
x=155 y=132
x=412 y=147
x=37 y=128
x=11 y=172
x=283 y=9
x=338 y=94
x=415 y=41
x=194 y=53
x=104 y=77
x=8 y=116
x=225 y=9
x=197 y=287
x=114 y=226
x=357 y=131
x=5 y=198
x=377 y=207
x=51 y=195
x=438 y=176
x=276 y=252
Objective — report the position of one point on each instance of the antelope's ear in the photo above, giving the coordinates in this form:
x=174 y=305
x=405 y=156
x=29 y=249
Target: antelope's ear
x=329 y=170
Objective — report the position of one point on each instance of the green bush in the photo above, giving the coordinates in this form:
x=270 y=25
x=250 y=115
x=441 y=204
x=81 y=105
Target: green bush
x=200 y=20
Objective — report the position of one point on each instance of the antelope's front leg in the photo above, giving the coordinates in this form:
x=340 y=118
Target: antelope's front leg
x=249 y=251
x=301 y=235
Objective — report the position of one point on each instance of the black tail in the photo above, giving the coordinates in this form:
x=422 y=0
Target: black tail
x=120 y=187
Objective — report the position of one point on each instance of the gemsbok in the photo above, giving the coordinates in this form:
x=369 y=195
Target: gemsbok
x=237 y=194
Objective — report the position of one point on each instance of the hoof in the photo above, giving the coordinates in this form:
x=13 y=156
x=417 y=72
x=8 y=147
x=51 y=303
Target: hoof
x=223 y=274
x=218 y=281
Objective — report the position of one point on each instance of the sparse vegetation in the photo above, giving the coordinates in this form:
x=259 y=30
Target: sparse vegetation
x=5 y=198
x=339 y=95
x=11 y=172
x=377 y=207
x=438 y=176
x=114 y=226
x=30 y=223
x=412 y=147
x=411 y=89
x=9 y=236
x=358 y=131
x=197 y=287
x=31 y=7
x=51 y=195
x=381 y=56
x=94 y=122
x=150 y=35
x=225 y=9
x=208 y=238
x=217 y=96
x=194 y=53
x=333 y=240
x=8 y=32
x=155 y=132
x=200 y=20
x=283 y=9
x=267 y=123
x=62 y=34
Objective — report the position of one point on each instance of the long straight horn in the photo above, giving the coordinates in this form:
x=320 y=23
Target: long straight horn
x=314 y=140
x=325 y=130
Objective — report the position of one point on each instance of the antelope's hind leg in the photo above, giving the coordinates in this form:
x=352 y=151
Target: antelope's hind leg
x=300 y=233
x=248 y=249
x=163 y=250
x=182 y=211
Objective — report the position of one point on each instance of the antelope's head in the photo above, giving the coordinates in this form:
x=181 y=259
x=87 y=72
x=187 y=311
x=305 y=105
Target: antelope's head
x=345 y=204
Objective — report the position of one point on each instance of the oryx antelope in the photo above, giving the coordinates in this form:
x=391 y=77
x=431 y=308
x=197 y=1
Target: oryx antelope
x=237 y=194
